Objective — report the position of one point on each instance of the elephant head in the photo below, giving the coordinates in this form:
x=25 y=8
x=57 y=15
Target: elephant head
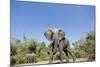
x=55 y=35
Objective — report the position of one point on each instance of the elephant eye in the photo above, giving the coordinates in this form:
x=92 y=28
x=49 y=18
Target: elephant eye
x=60 y=30
x=50 y=30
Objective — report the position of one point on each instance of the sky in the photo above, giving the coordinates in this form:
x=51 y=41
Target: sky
x=33 y=18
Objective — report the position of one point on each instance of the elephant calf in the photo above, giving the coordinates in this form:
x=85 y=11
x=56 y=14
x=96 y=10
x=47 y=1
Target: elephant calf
x=58 y=42
x=31 y=58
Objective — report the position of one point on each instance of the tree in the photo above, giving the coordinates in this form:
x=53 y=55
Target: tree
x=42 y=52
x=29 y=50
x=90 y=45
x=32 y=46
x=13 y=49
x=85 y=47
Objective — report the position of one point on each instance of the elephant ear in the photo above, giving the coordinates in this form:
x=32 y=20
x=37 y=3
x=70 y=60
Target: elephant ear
x=49 y=34
x=61 y=34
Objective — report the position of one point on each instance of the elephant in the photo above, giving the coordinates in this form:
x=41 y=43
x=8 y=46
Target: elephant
x=31 y=58
x=58 y=42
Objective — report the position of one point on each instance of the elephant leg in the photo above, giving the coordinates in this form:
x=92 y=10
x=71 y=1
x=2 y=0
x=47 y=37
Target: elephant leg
x=71 y=55
x=51 y=58
x=66 y=53
x=50 y=54
x=61 y=51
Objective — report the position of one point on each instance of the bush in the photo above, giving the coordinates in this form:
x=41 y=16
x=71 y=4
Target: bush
x=20 y=59
x=13 y=50
x=13 y=60
x=28 y=51
x=85 y=47
x=32 y=46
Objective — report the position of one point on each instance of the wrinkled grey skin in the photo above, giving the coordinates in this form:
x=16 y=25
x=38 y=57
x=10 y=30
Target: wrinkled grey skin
x=31 y=58
x=58 y=42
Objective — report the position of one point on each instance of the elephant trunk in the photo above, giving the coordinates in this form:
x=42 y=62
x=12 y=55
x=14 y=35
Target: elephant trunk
x=55 y=44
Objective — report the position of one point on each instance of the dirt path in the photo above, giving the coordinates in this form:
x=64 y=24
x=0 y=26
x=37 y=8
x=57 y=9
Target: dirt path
x=46 y=62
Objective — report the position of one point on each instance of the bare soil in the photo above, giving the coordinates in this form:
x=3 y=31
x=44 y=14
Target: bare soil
x=54 y=62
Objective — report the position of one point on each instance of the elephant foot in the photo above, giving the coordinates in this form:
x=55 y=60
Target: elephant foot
x=74 y=60
x=50 y=62
x=67 y=61
x=61 y=61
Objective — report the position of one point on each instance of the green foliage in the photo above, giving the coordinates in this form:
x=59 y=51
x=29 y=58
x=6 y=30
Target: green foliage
x=20 y=58
x=79 y=53
x=90 y=45
x=42 y=52
x=85 y=47
x=22 y=51
x=13 y=49
x=32 y=47
x=13 y=60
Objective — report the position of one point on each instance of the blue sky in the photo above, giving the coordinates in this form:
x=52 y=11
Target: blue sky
x=33 y=18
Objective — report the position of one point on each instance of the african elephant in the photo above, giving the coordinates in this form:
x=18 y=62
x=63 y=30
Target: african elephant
x=31 y=58
x=58 y=42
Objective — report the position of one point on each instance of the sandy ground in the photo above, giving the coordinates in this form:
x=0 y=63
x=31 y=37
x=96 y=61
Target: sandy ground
x=46 y=62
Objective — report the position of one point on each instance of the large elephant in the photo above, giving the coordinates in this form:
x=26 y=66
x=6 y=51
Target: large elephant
x=58 y=42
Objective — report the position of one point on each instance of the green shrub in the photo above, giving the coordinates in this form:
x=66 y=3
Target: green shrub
x=20 y=59
x=13 y=60
x=13 y=49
